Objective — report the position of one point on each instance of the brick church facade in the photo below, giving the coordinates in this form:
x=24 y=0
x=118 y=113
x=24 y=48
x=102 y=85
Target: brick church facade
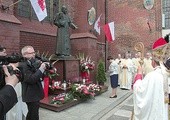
x=133 y=23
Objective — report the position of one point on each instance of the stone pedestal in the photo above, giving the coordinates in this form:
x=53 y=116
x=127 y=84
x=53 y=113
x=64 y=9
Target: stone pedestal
x=67 y=68
x=87 y=44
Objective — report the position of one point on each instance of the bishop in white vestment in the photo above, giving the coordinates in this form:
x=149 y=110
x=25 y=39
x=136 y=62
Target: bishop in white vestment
x=151 y=93
x=149 y=100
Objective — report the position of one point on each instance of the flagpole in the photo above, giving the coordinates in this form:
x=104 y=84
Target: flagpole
x=106 y=45
x=7 y=7
x=14 y=3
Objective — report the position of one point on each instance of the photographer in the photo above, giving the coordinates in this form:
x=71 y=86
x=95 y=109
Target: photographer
x=17 y=111
x=32 y=90
x=8 y=97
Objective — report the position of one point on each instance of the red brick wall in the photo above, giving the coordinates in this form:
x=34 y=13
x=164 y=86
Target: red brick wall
x=9 y=37
x=131 y=26
x=34 y=26
x=41 y=43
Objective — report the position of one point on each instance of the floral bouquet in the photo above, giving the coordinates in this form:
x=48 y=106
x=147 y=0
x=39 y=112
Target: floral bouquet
x=58 y=85
x=95 y=88
x=52 y=73
x=78 y=91
x=62 y=98
x=55 y=85
x=83 y=92
x=86 y=64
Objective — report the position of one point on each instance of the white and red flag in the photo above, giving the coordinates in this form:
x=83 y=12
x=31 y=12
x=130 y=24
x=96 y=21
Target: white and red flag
x=97 y=25
x=39 y=7
x=109 y=30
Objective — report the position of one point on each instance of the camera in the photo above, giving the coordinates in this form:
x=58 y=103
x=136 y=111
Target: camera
x=44 y=59
x=5 y=60
x=13 y=58
x=36 y=63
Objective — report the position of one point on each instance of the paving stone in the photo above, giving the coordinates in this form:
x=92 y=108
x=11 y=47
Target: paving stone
x=129 y=108
x=114 y=117
x=94 y=109
x=123 y=113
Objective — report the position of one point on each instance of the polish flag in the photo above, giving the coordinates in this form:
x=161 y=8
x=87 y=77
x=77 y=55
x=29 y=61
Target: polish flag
x=39 y=7
x=109 y=31
x=97 y=25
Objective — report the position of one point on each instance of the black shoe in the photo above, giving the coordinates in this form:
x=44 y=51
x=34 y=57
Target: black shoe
x=113 y=96
x=123 y=89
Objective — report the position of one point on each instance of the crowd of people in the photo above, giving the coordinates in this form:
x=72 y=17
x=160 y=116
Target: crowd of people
x=126 y=68
x=148 y=77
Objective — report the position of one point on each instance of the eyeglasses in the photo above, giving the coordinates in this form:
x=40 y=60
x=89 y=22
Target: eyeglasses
x=30 y=52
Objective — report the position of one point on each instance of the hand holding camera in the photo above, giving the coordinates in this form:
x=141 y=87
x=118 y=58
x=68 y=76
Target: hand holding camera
x=10 y=79
x=11 y=63
x=44 y=65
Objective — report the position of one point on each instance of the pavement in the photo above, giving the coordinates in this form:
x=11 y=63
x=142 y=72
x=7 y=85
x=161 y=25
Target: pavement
x=123 y=111
x=101 y=108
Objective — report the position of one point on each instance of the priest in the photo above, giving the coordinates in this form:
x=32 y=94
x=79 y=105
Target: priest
x=151 y=92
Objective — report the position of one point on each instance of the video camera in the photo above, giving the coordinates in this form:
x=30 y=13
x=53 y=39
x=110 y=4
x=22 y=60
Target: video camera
x=5 y=60
x=13 y=58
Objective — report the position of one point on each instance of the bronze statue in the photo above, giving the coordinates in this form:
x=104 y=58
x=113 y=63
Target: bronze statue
x=63 y=22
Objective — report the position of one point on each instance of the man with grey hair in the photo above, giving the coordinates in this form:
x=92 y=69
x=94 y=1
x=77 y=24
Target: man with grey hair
x=32 y=89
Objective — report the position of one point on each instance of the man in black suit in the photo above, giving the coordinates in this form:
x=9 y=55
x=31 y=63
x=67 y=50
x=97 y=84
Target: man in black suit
x=8 y=97
x=32 y=90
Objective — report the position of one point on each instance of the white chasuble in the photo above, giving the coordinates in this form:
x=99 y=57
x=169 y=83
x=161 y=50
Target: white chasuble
x=149 y=100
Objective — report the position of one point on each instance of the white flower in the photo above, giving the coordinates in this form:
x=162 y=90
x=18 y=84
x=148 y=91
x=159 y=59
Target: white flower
x=86 y=67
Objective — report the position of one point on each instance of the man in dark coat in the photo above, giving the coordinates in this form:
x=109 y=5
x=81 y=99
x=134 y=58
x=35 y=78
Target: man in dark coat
x=32 y=89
